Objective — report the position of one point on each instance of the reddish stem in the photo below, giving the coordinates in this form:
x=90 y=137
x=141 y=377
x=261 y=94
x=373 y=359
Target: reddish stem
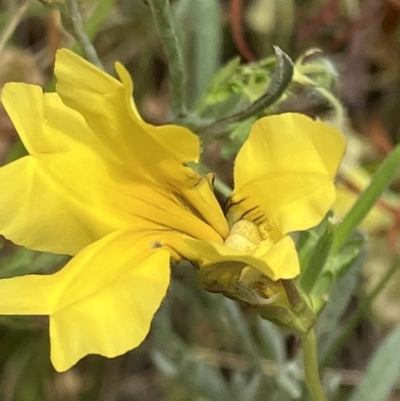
x=235 y=17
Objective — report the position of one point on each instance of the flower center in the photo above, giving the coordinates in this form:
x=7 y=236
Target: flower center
x=269 y=231
x=244 y=236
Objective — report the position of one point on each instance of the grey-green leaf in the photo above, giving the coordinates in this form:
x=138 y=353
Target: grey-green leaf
x=382 y=372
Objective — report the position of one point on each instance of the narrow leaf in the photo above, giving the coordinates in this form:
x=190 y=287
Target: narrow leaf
x=317 y=260
x=380 y=181
x=328 y=327
x=382 y=372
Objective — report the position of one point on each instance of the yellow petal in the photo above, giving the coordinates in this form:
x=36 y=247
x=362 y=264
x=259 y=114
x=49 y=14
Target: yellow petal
x=109 y=294
x=328 y=142
x=284 y=172
x=35 y=213
x=201 y=199
x=101 y=302
x=275 y=260
x=281 y=257
x=28 y=295
x=75 y=183
x=67 y=184
x=151 y=209
x=157 y=154
x=154 y=155
x=288 y=202
x=24 y=105
x=60 y=207
x=62 y=202
x=45 y=125
x=289 y=143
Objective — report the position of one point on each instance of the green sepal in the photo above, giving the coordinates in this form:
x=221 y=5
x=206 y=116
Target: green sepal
x=317 y=252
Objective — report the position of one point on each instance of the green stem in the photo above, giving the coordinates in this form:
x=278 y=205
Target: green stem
x=224 y=189
x=74 y=24
x=339 y=113
x=164 y=22
x=311 y=372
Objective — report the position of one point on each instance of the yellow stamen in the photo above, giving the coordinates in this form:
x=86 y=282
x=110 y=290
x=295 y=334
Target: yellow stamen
x=244 y=236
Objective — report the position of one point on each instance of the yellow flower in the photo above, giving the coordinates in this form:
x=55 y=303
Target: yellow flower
x=109 y=188
x=283 y=183
x=103 y=185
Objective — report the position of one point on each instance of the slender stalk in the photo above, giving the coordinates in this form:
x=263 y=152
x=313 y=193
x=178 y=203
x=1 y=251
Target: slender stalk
x=236 y=13
x=75 y=25
x=311 y=372
x=13 y=23
x=339 y=113
x=224 y=189
x=164 y=22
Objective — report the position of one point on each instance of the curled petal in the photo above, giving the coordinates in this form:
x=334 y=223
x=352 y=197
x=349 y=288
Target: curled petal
x=275 y=260
x=155 y=154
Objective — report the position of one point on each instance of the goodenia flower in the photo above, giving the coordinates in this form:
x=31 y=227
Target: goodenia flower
x=116 y=193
